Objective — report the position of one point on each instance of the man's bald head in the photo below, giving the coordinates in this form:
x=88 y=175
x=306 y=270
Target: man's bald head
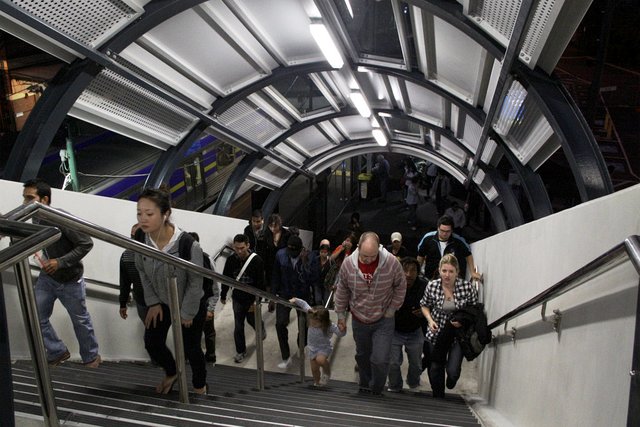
x=368 y=247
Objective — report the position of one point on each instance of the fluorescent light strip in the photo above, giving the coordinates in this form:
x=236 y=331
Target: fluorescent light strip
x=380 y=137
x=326 y=44
x=361 y=104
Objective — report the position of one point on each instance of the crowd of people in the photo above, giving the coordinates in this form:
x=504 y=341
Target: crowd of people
x=395 y=300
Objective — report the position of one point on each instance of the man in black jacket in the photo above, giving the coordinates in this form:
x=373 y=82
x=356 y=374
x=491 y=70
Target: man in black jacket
x=61 y=279
x=408 y=330
x=244 y=304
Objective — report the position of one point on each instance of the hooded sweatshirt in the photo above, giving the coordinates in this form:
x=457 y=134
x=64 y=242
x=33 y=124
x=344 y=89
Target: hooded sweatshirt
x=368 y=303
x=154 y=274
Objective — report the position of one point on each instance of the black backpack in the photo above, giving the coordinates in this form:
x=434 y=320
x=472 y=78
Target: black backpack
x=184 y=252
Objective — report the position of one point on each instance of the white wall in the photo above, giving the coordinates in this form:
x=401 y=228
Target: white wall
x=118 y=339
x=581 y=376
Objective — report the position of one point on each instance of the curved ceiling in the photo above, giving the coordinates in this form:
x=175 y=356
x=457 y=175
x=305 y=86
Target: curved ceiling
x=463 y=83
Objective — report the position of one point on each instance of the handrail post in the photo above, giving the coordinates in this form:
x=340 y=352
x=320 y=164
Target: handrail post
x=302 y=338
x=632 y=245
x=176 y=327
x=36 y=344
x=259 y=344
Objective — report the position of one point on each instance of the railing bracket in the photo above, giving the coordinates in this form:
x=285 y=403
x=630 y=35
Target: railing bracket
x=555 y=321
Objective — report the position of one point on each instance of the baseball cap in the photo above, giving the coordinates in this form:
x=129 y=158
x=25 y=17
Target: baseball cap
x=396 y=236
x=294 y=242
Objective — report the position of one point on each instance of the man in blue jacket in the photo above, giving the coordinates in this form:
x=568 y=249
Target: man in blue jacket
x=291 y=278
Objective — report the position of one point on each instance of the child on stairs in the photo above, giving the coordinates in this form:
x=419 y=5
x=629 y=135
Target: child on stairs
x=319 y=340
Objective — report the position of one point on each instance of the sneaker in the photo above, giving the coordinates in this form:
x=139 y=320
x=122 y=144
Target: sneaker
x=324 y=379
x=57 y=361
x=211 y=358
x=285 y=363
x=239 y=357
x=451 y=383
x=394 y=390
x=414 y=386
x=94 y=363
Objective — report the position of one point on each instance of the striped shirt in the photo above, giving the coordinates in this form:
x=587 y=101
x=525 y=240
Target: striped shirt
x=370 y=300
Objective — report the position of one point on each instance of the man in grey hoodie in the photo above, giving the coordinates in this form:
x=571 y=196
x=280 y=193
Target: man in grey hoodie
x=372 y=284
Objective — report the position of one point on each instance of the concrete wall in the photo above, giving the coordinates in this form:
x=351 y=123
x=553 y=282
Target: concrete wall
x=119 y=339
x=579 y=377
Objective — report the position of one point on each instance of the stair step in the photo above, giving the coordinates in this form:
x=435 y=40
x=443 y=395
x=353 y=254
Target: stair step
x=124 y=393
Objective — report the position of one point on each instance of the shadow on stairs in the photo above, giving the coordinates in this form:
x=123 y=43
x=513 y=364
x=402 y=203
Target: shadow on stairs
x=122 y=394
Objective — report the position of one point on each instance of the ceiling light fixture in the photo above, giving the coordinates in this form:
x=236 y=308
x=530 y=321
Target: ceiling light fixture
x=325 y=43
x=360 y=103
x=380 y=137
x=374 y=123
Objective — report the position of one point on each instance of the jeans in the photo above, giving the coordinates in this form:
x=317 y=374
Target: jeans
x=282 y=322
x=320 y=294
x=72 y=295
x=451 y=362
x=412 y=343
x=155 y=342
x=373 y=350
x=240 y=313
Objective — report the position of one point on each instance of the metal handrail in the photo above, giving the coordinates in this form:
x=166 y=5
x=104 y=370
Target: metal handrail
x=58 y=217
x=28 y=245
x=630 y=248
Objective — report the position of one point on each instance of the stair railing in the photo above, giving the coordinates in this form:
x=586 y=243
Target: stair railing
x=11 y=225
x=34 y=238
x=629 y=249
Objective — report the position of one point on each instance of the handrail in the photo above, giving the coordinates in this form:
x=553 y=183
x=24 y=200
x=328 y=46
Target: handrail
x=58 y=217
x=616 y=255
x=21 y=250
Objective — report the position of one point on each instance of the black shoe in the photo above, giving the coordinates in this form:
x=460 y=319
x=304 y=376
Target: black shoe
x=438 y=394
x=210 y=358
x=364 y=390
x=451 y=383
x=377 y=394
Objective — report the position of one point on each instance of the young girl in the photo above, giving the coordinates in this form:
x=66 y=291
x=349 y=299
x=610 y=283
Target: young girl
x=319 y=340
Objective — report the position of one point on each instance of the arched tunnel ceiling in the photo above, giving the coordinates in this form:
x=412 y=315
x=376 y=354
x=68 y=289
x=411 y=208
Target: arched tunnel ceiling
x=462 y=83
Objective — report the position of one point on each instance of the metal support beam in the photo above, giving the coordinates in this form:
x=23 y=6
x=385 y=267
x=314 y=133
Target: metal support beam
x=518 y=35
x=578 y=143
x=46 y=118
x=510 y=204
x=169 y=160
x=237 y=178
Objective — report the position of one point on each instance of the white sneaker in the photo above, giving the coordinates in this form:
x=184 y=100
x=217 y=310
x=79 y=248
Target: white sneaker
x=324 y=379
x=239 y=357
x=285 y=363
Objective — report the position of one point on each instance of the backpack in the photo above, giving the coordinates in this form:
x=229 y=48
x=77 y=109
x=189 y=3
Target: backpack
x=184 y=252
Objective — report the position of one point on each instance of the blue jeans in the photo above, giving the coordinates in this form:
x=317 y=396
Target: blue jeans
x=373 y=349
x=72 y=295
x=412 y=343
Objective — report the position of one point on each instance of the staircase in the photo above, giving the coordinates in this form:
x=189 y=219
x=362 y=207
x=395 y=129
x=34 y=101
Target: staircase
x=122 y=394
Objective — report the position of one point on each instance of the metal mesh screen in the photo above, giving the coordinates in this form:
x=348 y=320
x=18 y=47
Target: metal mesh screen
x=246 y=121
x=120 y=100
x=86 y=21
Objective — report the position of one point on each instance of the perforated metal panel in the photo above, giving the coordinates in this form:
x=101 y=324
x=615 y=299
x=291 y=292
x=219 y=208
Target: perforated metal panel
x=87 y=21
x=498 y=17
x=117 y=100
x=246 y=121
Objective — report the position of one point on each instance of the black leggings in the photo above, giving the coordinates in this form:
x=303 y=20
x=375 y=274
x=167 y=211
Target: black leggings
x=155 y=342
